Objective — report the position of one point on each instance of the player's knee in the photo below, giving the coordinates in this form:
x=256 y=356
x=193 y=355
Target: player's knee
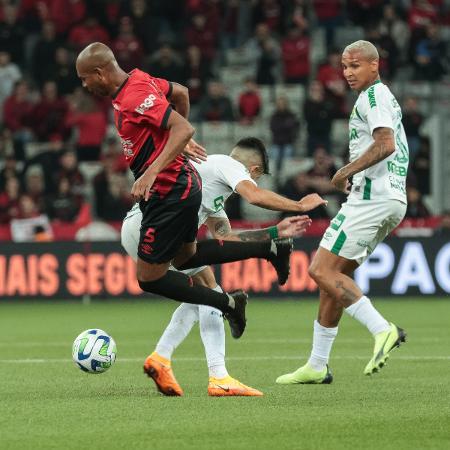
x=152 y=285
x=316 y=272
x=145 y=276
x=186 y=252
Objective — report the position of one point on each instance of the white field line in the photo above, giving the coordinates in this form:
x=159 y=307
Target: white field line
x=261 y=341
x=231 y=358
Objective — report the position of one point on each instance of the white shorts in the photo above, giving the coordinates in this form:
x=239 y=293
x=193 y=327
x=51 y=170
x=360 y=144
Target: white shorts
x=360 y=226
x=129 y=237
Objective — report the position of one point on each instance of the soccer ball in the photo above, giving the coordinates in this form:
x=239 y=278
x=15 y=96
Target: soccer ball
x=94 y=351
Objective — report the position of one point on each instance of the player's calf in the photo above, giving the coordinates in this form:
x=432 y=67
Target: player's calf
x=178 y=286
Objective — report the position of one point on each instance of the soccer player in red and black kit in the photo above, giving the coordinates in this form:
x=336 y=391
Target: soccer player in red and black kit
x=154 y=137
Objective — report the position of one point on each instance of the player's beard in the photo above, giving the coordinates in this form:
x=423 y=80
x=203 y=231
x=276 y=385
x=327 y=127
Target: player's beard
x=100 y=91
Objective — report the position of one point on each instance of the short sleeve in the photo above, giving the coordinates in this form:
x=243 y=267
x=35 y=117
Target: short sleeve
x=232 y=172
x=379 y=110
x=165 y=86
x=149 y=106
x=221 y=214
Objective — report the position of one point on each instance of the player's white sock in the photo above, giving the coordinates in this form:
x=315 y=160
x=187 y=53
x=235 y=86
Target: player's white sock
x=364 y=312
x=183 y=319
x=212 y=332
x=323 y=339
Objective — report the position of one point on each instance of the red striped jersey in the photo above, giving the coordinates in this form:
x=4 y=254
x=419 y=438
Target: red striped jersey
x=141 y=113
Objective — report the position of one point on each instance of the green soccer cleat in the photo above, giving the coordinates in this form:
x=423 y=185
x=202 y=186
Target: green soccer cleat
x=306 y=375
x=384 y=343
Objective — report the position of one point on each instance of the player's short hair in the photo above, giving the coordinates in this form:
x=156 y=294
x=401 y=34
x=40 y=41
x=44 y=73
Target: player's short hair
x=365 y=47
x=255 y=144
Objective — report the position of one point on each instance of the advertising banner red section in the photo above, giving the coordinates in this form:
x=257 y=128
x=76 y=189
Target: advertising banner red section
x=64 y=270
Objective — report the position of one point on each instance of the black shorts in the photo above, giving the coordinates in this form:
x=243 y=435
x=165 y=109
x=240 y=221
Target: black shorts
x=166 y=226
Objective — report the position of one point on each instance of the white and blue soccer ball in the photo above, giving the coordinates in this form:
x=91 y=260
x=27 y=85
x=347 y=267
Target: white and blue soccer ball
x=94 y=351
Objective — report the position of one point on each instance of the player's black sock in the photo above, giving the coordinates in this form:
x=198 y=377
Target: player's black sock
x=178 y=286
x=214 y=251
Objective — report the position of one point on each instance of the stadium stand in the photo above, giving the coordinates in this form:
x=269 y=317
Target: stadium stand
x=44 y=112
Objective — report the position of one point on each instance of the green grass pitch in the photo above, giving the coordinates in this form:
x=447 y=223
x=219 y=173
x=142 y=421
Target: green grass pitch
x=48 y=403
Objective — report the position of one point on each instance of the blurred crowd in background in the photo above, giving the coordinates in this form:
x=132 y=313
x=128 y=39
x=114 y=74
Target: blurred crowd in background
x=60 y=157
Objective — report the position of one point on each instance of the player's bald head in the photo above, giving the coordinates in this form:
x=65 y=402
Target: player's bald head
x=98 y=70
x=95 y=56
x=365 y=49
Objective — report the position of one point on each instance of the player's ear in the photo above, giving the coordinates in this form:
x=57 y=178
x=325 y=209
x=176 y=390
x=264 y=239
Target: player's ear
x=374 y=65
x=99 y=72
x=256 y=171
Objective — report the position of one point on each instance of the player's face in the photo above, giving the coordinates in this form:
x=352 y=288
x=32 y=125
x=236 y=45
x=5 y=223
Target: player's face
x=358 y=70
x=93 y=82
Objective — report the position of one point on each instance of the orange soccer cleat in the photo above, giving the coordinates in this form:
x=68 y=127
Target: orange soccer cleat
x=159 y=368
x=229 y=387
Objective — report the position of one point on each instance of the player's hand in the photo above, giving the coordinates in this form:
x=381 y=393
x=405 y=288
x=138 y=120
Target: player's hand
x=340 y=182
x=195 y=152
x=293 y=226
x=142 y=186
x=311 y=201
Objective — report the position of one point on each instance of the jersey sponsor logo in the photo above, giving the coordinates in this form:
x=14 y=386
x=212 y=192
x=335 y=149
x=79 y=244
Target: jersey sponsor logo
x=396 y=169
x=353 y=134
x=146 y=104
x=157 y=89
x=127 y=147
x=397 y=184
x=371 y=96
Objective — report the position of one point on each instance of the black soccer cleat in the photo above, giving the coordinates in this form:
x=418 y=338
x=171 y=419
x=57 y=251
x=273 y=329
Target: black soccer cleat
x=236 y=317
x=280 y=261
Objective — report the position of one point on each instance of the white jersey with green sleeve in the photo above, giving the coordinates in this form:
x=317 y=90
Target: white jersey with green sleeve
x=220 y=176
x=376 y=107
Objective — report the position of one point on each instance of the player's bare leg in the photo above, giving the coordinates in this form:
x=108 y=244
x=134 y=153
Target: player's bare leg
x=316 y=370
x=332 y=274
x=326 y=329
x=328 y=270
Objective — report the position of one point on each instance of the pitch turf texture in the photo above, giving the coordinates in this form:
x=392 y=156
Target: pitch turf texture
x=48 y=403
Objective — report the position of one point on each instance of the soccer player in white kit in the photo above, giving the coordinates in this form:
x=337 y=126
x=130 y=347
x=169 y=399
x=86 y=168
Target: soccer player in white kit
x=221 y=176
x=376 y=204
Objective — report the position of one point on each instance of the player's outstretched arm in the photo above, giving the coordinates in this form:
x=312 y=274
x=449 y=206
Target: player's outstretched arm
x=382 y=147
x=181 y=131
x=289 y=227
x=270 y=200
